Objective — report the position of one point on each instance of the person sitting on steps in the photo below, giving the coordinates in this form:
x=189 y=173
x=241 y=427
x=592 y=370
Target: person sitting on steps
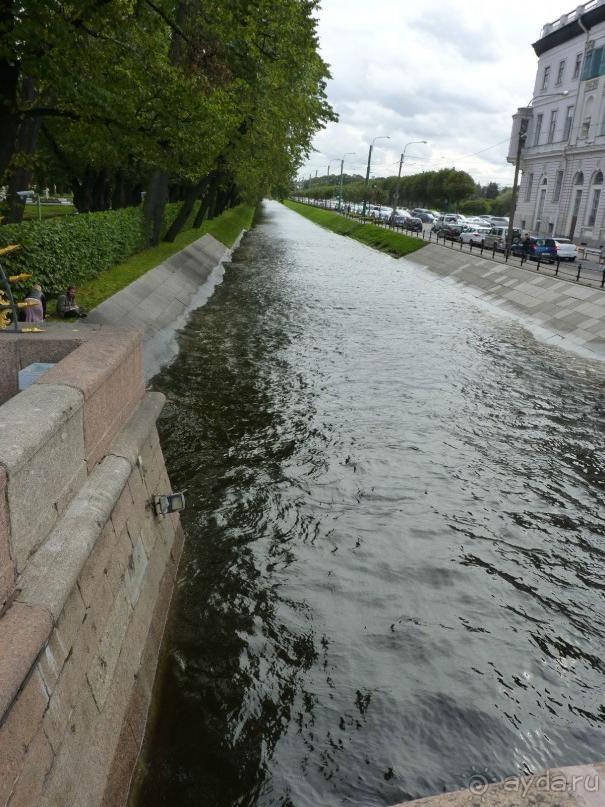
x=67 y=306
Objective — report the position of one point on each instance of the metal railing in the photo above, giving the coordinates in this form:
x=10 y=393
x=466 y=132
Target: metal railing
x=561 y=269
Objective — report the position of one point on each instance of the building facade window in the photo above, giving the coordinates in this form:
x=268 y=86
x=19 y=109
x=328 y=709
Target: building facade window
x=558 y=184
x=585 y=130
x=594 y=64
x=602 y=129
x=538 y=131
x=595 y=199
x=577 y=66
x=546 y=77
x=529 y=187
x=568 y=123
x=541 y=203
x=594 y=206
x=552 y=126
x=560 y=73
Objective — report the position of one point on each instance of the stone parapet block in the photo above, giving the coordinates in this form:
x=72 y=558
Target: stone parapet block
x=23 y=632
x=9 y=371
x=7 y=571
x=42 y=453
x=129 y=443
x=53 y=572
x=108 y=371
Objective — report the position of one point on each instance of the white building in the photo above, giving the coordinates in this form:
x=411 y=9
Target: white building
x=563 y=153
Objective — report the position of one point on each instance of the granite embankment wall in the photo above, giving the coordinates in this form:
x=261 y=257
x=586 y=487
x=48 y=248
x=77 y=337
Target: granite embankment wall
x=561 y=312
x=86 y=571
x=160 y=300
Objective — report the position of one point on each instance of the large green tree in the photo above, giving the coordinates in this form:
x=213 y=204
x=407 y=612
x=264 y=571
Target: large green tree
x=175 y=97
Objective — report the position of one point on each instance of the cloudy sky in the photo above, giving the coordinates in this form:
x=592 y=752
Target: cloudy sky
x=450 y=73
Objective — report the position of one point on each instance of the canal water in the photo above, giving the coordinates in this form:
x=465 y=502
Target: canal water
x=394 y=574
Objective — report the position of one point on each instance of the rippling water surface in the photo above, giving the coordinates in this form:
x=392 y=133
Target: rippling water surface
x=394 y=575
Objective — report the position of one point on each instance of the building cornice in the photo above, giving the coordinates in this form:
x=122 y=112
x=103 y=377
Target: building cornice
x=569 y=31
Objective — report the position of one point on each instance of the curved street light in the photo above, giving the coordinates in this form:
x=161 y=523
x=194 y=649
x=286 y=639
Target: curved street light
x=365 y=192
x=396 y=196
x=520 y=144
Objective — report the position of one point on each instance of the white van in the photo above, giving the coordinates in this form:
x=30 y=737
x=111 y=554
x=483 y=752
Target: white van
x=497 y=237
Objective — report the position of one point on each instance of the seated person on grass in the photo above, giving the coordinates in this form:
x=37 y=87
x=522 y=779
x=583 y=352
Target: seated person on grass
x=67 y=306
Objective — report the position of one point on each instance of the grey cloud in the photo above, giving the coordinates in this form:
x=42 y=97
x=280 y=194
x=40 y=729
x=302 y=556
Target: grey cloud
x=448 y=28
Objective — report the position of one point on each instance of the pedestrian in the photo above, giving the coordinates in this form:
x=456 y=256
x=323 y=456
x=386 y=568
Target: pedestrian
x=67 y=306
x=526 y=244
x=36 y=304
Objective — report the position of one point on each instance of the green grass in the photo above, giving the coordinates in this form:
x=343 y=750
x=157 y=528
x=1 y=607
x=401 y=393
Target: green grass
x=395 y=244
x=224 y=228
x=48 y=211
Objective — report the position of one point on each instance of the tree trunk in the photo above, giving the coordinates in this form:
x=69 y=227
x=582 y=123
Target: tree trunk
x=185 y=210
x=155 y=202
x=100 y=191
x=201 y=213
x=9 y=93
x=157 y=192
x=19 y=179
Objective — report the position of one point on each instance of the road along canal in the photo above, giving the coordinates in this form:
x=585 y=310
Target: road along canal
x=393 y=576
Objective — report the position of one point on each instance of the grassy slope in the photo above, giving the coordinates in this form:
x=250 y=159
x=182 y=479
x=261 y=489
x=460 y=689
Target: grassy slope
x=394 y=243
x=224 y=228
x=48 y=211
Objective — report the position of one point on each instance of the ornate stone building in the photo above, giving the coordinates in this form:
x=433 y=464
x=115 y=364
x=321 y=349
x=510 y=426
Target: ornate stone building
x=563 y=145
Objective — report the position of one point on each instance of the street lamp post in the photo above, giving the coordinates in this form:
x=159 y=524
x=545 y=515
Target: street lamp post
x=342 y=165
x=396 y=196
x=520 y=144
x=365 y=193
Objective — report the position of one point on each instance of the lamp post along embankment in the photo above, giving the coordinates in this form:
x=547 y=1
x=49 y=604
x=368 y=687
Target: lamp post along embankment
x=401 y=161
x=365 y=193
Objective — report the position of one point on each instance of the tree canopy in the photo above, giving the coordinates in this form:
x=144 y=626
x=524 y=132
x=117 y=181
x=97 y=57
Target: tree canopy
x=180 y=99
x=445 y=189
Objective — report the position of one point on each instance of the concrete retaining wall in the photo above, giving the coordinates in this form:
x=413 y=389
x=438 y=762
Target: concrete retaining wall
x=561 y=312
x=159 y=301
x=86 y=575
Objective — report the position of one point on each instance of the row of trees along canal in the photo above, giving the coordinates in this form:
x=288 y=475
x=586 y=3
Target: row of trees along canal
x=441 y=190
x=182 y=99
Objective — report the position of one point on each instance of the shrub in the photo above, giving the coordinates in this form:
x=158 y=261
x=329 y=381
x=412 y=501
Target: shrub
x=75 y=248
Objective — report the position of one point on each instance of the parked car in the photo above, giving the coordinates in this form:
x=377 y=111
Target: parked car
x=451 y=232
x=565 y=250
x=443 y=221
x=412 y=223
x=474 y=235
x=536 y=248
x=497 y=237
x=423 y=214
x=547 y=249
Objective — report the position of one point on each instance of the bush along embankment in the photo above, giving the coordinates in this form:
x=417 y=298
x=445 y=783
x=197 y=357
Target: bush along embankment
x=77 y=248
x=101 y=253
x=372 y=235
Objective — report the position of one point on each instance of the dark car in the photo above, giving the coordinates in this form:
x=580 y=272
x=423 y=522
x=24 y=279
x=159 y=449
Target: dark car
x=412 y=223
x=424 y=215
x=536 y=248
x=451 y=232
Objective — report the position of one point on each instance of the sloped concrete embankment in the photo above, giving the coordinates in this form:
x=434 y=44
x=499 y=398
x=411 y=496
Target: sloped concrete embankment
x=576 y=786
x=560 y=312
x=160 y=300
x=86 y=575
